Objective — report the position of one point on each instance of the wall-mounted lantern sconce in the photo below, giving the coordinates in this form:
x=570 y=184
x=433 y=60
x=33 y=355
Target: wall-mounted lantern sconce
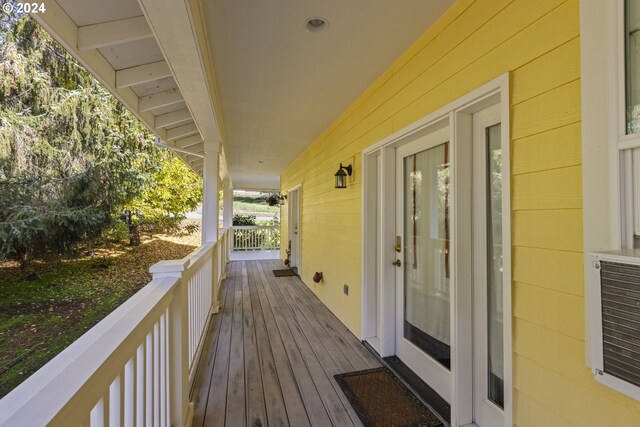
x=317 y=277
x=341 y=176
x=283 y=199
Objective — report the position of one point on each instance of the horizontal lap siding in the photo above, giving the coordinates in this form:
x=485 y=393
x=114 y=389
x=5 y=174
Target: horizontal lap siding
x=538 y=43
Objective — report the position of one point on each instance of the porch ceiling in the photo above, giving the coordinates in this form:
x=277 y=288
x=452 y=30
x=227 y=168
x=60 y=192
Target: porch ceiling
x=244 y=73
x=280 y=86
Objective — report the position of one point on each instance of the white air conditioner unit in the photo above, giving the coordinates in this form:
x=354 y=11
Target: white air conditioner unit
x=614 y=303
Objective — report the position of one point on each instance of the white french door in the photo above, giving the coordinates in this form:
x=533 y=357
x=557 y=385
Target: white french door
x=436 y=206
x=487 y=269
x=423 y=303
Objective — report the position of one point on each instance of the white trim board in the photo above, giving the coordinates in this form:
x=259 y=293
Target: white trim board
x=378 y=275
x=603 y=134
x=297 y=241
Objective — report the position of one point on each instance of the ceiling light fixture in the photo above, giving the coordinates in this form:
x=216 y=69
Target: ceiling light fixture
x=316 y=24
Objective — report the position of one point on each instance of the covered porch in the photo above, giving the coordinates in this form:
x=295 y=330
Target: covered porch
x=163 y=357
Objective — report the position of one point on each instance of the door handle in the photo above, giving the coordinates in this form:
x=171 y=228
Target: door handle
x=397 y=263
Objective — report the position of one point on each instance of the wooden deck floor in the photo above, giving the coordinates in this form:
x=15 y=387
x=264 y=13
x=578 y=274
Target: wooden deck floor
x=271 y=354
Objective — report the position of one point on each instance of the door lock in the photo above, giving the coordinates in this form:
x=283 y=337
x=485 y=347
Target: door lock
x=398 y=244
x=397 y=263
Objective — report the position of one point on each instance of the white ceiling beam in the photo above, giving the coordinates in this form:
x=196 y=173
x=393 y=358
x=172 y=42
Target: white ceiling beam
x=161 y=99
x=182 y=131
x=188 y=142
x=142 y=74
x=112 y=33
x=197 y=148
x=174 y=118
x=179 y=150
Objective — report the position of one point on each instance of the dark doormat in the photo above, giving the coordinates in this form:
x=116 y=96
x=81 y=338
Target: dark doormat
x=284 y=272
x=381 y=400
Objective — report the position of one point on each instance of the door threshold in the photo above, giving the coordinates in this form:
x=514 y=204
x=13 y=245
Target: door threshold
x=428 y=396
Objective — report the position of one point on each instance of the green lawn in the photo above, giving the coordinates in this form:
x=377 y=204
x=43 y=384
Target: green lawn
x=48 y=306
x=252 y=203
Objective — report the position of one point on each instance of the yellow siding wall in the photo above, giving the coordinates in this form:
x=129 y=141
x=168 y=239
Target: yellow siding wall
x=474 y=42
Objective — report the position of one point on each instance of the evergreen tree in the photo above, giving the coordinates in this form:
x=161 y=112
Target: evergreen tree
x=71 y=155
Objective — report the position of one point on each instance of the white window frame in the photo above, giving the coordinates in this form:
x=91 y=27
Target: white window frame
x=607 y=175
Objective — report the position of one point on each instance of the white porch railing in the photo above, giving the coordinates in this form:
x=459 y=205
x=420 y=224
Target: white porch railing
x=136 y=366
x=256 y=238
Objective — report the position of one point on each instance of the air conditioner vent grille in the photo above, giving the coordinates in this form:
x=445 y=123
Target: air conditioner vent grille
x=620 y=287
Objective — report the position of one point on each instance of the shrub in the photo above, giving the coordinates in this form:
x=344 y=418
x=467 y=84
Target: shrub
x=116 y=232
x=244 y=219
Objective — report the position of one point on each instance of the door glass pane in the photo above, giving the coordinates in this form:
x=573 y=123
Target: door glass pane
x=632 y=65
x=494 y=266
x=426 y=252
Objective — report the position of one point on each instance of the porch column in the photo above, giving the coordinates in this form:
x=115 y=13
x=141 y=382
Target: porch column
x=227 y=200
x=210 y=173
x=227 y=215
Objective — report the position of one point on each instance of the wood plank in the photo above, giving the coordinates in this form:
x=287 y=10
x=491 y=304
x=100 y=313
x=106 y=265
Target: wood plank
x=173 y=118
x=529 y=413
x=320 y=317
x=558 y=67
x=549 y=309
x=274 y=401
x=310 y=396
x=294 y=404
x=339 y=332
x=550 y=189
x=256 y=412
x=316 y=340
x=142 y=74
x=161 y=99
x=114 y=32
x=560 y=147
x=310 y=353
x=542 y=229
x=556 y=108
x=217 y=400
x=188 y=141
x=555 y=270
x=310 y=324
x=562 y=360
x=182 y=131
x=236 y=398
x=586 y=407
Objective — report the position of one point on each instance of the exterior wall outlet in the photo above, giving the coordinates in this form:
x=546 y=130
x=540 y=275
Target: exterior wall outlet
x=345 y=289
